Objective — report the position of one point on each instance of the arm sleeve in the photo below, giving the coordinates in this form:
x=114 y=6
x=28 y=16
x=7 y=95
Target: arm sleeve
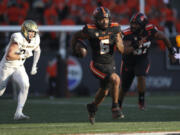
x=37 y=53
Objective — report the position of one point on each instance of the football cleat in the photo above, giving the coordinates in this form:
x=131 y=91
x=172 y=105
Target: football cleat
x=141 y=106
x=117 y=113
x=21 y=116
x=91 y=108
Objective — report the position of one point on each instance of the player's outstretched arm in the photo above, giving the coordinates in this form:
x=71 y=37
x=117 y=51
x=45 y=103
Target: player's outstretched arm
x=123 y=47
x=160 y=36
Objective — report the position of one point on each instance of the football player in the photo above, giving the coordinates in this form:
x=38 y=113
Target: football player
x=20 y=48
x=104 y=36
x=140 y=33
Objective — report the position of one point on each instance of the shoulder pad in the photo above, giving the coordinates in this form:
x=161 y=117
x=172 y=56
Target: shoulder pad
x=91 y=26
x=127 y=31
x=114 y=24
x=17 y=37
x=149 y=27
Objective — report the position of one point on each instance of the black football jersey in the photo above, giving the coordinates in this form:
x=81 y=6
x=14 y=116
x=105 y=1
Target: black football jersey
x=102 y=42
x=144 y=41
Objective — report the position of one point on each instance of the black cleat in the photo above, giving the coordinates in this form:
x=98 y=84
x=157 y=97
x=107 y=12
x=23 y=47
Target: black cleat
x=141 y=106
x=91 y=108
x=117 y=113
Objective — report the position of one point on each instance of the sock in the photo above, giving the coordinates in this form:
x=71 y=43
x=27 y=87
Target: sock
x=115 y=105
x=141 y=98
x=21 y=101
x=19 y=109
x=120 y=104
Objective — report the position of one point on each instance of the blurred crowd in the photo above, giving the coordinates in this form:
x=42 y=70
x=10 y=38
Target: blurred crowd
x=78 y=12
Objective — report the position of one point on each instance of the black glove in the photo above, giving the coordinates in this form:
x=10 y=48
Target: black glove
x=172 y=50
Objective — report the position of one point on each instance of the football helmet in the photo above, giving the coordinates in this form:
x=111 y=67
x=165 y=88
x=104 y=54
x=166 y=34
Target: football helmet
x=138 y=22
x=27 y=26
x=100 y=13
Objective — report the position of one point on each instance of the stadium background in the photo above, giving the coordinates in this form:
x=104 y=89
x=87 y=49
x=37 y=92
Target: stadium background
x=163 y=76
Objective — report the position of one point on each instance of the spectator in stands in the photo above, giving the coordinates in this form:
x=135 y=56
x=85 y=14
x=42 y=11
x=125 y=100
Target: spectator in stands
x=169 y=23
x=13 y=13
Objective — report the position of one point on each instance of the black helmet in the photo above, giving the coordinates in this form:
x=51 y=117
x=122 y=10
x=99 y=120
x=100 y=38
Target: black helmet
x=140 y=19
x=100 y=13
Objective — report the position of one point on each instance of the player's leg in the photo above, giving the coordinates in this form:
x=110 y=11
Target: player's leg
x=141 y=70
x=115 y=81
x=141 y=91
x=5 y=73
x=100 y=95
x=93 y=107
x=21 y=77
x=111 y=81
x=127 y=77
x=98 y=71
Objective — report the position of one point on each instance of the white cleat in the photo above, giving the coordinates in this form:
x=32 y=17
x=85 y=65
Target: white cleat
x=21 y=116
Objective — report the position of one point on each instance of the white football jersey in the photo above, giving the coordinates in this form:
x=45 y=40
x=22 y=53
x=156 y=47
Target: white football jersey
x=24 y=45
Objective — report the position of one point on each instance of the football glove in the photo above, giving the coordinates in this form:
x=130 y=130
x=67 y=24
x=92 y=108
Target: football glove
x=172 y=50
x=34 y=70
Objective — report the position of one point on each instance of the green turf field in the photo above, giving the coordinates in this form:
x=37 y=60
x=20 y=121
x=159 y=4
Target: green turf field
x=69 y=116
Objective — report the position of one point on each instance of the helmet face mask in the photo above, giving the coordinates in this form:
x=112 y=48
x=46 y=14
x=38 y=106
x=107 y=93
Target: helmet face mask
x=103 y=23
x=138 y=23
x=135 y=28
x=102 y=17
x=28 y=28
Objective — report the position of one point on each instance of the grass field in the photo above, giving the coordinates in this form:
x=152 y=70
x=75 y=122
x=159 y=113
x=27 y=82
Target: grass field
x=69 y=116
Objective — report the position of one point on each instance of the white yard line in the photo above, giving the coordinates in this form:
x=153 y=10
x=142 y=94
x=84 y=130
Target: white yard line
x=170 y=107
x=151 y=133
